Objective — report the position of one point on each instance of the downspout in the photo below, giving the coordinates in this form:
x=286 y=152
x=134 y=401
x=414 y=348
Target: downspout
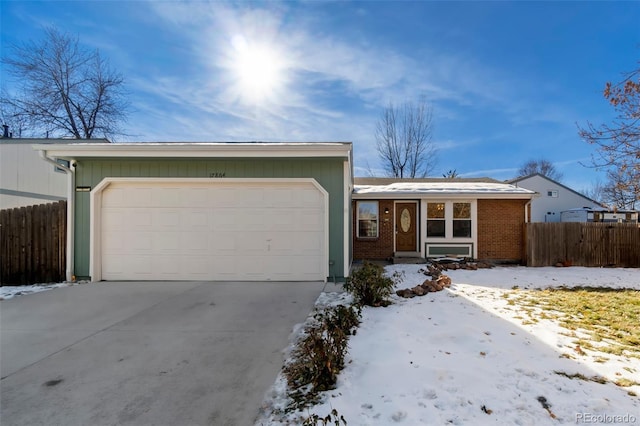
x=526 y=220
x=526 y=211
x=71 y=198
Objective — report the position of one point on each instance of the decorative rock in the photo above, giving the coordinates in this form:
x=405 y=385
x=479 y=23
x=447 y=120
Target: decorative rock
x=428 y=286
x=406 y=293
x=444 y=280
x=418 y=290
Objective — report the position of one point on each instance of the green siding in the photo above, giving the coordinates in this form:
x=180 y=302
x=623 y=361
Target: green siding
x=328 y=172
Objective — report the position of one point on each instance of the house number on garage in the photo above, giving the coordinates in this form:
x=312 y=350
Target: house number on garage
x=217 y=174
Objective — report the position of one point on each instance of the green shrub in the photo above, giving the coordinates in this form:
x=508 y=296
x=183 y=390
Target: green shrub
x=370 y=286
x=319 y=356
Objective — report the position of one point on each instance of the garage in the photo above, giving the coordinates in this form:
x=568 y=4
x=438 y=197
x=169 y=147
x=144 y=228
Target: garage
x=210 y=229
x=204 y=211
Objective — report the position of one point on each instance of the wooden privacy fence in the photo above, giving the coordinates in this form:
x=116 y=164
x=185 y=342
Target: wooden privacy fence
x=583 y=244
x=33 y=244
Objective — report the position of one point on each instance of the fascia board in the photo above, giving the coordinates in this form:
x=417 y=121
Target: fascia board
x=442 y=195
x=177 y=150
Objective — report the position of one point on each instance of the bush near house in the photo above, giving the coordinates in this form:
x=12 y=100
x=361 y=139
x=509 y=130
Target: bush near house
x=370 y=286
x=319 y=355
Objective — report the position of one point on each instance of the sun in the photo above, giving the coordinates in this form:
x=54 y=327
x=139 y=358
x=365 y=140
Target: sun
x=258 y=70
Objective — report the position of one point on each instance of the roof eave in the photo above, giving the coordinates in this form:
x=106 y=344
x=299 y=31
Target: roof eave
x=181 y=150
x=441 y=195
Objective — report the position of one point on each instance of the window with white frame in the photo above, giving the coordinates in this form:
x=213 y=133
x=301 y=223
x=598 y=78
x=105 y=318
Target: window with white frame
x=552 y=193
x=367 y=219
x=461 y=220
x=450 y=219
x=436 y=222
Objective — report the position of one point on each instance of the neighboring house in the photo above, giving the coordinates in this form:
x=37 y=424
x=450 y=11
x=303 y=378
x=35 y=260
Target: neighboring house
x=208 y=211
x=478 y=218
x=25 y=179
x=554 y=198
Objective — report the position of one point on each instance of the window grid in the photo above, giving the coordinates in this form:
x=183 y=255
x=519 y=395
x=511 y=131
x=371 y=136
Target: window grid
x=367 y=221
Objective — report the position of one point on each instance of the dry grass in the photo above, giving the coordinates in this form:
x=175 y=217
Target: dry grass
x=599 y=319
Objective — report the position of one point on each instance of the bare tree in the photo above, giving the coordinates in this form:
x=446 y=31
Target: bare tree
x=619 y=143
x=615 y=192
x=64 y=89
x=451 y=174
x=542 y=166
x=403 y=137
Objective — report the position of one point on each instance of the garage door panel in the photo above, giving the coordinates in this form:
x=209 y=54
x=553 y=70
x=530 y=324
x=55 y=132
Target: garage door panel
x=166 y=218
x=310 y=244
x=112 y=243
x=137 y=218
x=113 y=218
x=221 y=197
x=223 y=220
x=166 y=197
x=213 y=231
x=194 y=242
x=222 y=243
x=196 y=197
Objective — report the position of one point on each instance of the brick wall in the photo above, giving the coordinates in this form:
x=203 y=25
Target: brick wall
x=501 y=230
x=375 y=248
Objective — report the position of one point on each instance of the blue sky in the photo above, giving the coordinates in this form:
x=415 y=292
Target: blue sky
x=508 y=81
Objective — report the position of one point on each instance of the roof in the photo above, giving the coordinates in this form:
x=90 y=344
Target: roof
x=387 y=181
x=521 y=178
x=50 y=141
x=434 y=188
x=198 y=149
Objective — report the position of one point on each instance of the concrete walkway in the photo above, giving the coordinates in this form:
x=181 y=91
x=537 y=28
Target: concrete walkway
x=146 y=353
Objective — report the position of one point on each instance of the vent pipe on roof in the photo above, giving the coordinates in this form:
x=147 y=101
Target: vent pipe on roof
x=5 y=132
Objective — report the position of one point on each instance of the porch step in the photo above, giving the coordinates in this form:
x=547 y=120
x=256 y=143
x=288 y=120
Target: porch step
x=409 y=260
x=407 y=254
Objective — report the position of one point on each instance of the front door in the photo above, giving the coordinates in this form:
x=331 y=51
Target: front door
x=406 y=235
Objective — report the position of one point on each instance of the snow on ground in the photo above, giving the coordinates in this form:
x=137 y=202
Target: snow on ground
x=460 y=357
x=9 y=292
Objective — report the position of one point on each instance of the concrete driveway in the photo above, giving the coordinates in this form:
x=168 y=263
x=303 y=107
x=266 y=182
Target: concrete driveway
x=146 y=353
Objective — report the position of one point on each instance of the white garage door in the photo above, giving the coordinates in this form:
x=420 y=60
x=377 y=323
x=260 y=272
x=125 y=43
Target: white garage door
x=213 y=231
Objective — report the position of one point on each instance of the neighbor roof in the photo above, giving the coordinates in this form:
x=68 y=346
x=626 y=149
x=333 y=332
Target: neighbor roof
x=434 y=188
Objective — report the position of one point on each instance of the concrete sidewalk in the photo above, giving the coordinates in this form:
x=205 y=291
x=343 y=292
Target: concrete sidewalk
x=142 y=353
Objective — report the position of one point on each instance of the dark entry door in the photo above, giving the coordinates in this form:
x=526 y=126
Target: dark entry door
x=406 y=235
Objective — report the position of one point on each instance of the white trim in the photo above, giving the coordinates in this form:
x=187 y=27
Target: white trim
x=71 y=205
x=443 y=195
x=377 y=219
x=200 y=150
x=395 y=224
x=348 y=188
x=448 y=218
x=95 y=214
x=470 y=246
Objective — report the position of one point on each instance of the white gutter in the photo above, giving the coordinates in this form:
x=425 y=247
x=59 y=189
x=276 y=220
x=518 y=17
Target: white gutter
x=71 y=175
x=204 y=150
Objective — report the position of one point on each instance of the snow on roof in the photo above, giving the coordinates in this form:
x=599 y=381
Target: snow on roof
x=443 y=187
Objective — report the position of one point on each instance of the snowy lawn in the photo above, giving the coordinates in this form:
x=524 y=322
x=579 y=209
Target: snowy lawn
x=9 y=292
x=471 y=355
